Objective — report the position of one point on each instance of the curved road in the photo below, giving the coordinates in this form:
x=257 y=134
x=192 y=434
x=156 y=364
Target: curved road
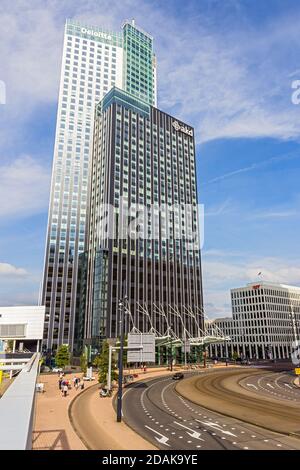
x=169 y=420
x=278 y=385
x=156 y=411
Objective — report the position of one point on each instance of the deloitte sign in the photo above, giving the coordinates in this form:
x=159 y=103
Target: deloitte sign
x=96 y=34
x=180 y=127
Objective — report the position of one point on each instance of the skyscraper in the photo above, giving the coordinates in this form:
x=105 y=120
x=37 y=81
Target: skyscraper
x=144 y=232
x=94 y=60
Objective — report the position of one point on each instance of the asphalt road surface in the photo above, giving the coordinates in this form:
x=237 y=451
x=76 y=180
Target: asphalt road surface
x=278 y=385
x=157 y=412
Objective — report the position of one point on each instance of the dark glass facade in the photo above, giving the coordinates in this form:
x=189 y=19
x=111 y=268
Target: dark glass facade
x=142 y=158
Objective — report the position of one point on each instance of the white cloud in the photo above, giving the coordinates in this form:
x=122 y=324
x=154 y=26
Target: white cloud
x=228 y=78
x=8 y=270
x=273 y=214
x=24 y=188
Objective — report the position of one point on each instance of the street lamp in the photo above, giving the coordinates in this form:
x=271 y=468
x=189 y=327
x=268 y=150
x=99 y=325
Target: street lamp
x=171 y=345
x=204 y=355
x=120 y=378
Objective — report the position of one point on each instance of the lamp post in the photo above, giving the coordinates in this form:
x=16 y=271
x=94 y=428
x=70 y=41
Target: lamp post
x=120 y=378
x=294 y=328
x=171 y=352
x=204 y=355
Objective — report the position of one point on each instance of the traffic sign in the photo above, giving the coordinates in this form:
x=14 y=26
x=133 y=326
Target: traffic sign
x=141 y=347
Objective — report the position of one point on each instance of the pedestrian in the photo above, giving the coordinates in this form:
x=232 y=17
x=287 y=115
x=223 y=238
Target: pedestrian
x=65 y=390
x=59 y=384
x=82 y=385
x=74 y=381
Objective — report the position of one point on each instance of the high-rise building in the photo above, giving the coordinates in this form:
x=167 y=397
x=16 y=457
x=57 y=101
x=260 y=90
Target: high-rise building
x=94 y=60
x=262 y=323
x=143 y=174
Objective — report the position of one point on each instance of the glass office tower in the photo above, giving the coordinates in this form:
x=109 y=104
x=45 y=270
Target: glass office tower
x=93 y=62
x=143 y=174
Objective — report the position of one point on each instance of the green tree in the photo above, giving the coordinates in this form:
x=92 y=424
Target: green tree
x=235 y=355
x=101 y=364
x=83 y=363
x=62 y=357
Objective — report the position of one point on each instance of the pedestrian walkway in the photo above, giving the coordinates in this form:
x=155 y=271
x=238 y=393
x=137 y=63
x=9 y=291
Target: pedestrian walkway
x=52 y=428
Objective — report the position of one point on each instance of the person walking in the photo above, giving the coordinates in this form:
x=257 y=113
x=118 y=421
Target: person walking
x=65 y=390
x=59 y=384
x=82 y=385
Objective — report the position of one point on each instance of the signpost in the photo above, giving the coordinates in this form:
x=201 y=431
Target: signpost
x=141 y=347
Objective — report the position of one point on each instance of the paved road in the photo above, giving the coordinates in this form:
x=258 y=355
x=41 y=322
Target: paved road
x=279 y=385
x=157 y=412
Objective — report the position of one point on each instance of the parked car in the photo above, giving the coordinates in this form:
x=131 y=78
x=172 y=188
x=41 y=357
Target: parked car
x=178 y=376
x=57 y=369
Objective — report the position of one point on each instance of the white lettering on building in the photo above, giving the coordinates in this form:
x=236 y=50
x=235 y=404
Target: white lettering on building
x=184 y=129
x=97 y=34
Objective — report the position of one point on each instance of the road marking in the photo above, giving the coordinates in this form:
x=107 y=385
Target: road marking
x=216 y=426
x=252 y=385
x=269 y=385
x=289 y=386
x=193 y=433
x=163 y=439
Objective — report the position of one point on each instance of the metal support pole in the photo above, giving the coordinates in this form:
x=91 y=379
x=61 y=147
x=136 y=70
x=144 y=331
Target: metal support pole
x=185 y=362
x=109 y=368
x=120 y=378
x=292 y=315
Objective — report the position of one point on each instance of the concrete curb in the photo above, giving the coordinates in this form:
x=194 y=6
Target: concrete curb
x=71 y=418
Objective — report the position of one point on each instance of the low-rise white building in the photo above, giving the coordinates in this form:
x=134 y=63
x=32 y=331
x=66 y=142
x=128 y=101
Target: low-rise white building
x=22 y=325
x=261 y=325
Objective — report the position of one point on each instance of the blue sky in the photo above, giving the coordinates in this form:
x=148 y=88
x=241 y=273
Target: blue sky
x=224 y=67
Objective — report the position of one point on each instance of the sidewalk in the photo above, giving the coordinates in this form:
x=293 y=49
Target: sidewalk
x=52 y=427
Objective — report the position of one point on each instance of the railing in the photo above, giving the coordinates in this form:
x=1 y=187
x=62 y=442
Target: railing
x=17 y=409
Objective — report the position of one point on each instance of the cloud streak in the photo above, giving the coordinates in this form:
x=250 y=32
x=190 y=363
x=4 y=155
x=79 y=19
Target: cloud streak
x=8 y=270
x=226 y=77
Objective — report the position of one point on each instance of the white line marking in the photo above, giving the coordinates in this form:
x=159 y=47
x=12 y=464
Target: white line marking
x=193 y=433
x=216 y=426
x=163 y=439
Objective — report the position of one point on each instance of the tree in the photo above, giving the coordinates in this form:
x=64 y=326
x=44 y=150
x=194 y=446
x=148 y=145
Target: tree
x=235 y=356
x=83 y=363
x=62 y=357
x=101 y=363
